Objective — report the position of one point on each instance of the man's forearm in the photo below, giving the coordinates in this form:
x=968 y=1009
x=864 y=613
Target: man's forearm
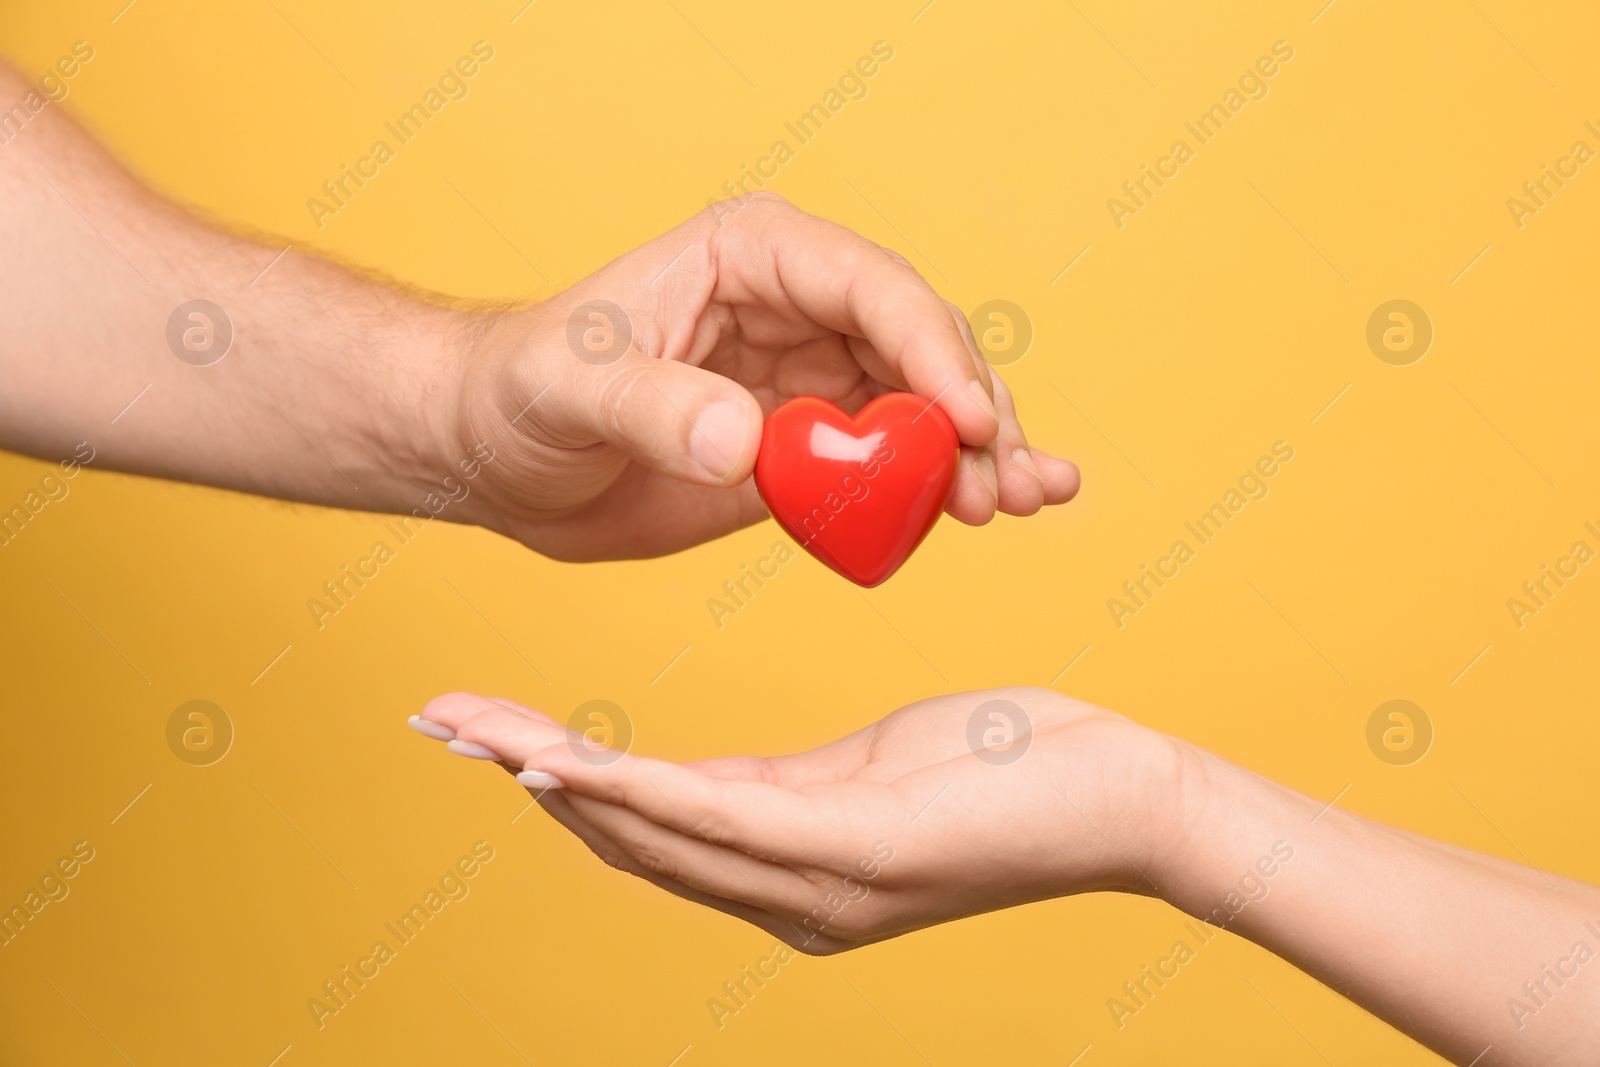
x=1462 y=951
x=333 y=389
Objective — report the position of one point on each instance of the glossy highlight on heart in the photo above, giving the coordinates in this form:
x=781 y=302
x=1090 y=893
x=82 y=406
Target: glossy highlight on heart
x=858 y=493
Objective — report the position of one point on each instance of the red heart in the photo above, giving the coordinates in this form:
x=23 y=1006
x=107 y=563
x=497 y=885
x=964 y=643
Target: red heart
x=858 y=493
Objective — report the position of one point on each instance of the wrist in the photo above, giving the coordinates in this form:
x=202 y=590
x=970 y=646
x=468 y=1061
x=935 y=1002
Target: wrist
x=493 y=412
x=1142 y=806
x=1230 y=839
x=367 y=374
x=413 y=425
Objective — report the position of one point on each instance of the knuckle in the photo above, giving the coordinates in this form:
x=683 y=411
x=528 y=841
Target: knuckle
x=898 y=260
x=711 y=814
x=886 y=260
x=453 y=707
x=614 y=859
x=771 y=201
x=763 y=201
x=605 y=787
x=614 y=396
x=488 y=725
x=714 y=826
x=863 y=265
x=740 y=210
x=654 y=860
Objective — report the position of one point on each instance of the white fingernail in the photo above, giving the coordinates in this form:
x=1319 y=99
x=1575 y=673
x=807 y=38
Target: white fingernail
x=431 y=729
x=472 y=750
x=540 y=780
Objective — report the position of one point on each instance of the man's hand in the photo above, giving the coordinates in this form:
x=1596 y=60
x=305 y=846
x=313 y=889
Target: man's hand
x=622 y=415
x=626 y=413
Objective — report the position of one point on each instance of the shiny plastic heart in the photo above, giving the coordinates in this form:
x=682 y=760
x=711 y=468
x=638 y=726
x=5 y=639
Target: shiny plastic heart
x=859 y=493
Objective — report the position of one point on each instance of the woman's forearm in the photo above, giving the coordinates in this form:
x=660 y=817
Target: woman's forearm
x=1462 y=951
x=332 y=388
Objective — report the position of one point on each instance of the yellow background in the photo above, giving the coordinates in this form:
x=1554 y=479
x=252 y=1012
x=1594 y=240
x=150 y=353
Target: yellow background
x=1222 y=318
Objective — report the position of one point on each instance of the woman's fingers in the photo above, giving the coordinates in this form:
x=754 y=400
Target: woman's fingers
x=616 y=854
x=446 y=718
x=824 y=765
x=795 y=909
x=514 y=733
x=735 y=853
x=511 y=732
x=512 y=737
x=452 y=709
x=753 y=817
x=699 y=863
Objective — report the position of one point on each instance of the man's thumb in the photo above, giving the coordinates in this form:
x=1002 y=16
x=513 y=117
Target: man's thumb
x=681 y=420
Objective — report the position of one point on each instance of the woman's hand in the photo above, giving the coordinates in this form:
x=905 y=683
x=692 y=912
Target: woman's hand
x=977 y=801
x=948 y=807
x=625 y=413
